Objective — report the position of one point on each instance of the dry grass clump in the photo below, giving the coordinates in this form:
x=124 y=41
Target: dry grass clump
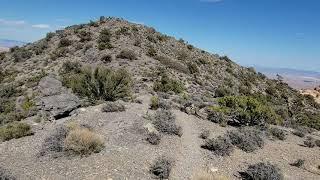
x=161 y=168
x=153 y=138
x=204 y=134
x=82 y=141
x=310 y=142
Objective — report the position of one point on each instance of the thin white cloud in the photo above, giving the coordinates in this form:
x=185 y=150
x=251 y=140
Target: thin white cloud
x=211 y=1
x=12 y=22
x=41 y=26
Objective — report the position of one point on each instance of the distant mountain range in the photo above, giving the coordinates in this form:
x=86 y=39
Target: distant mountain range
x=299 y=79
x=5 y=43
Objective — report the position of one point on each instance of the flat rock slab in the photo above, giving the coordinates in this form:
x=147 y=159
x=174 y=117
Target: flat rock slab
x=56 y=99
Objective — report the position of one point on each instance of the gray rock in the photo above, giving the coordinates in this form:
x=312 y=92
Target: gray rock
x=49 y=86
x=55 y=99
x=60 y=105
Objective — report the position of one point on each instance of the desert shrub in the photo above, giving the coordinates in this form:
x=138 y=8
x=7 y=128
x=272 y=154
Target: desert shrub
x=104 y=39
x=249 y=111
x=278 y=133
x=54 y=143
x=93 y=23
x=299 y=133
x=225 y=58
x=217 y=115
x=317 y=142
x=137 y=43
x=127 y=54
x=309 y=119
x=262 y=171
x=102 y=18
x=221 y=146
x=113 y=107
x=82 y=141
x=176 y=65
x=193 y=68
x=161 y=168
x=64 y=42
x=21 y=54
x=84 y=35
x=223 y=91
x=190 y=47
x=100 y=83
x=59 y=52
x=153 y=138
x=106 y=58
x=123 y=31
x=154 y=103
x=298 y=163
x=165 y=84
x=6 y=175
x=2 y=55
x=151 y=38
x=14 y=130
x=246 y=139
x=310 y=142
x=151 y=52
x=49 y=36
x=165 y=122
x=204 y=134
x=182 y=55
x=40 y=47
x=70 y=66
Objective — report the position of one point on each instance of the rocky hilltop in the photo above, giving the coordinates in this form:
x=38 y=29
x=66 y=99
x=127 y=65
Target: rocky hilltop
x=116 y=100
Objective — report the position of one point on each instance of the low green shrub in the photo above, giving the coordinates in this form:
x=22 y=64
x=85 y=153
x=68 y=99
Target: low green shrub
x=99 y=84
x=165 y=122
x=161 y=168
x=165 y=84
x=193 y=68
x=14 y=130
x=104 y=40
x=173 y=64
x=21 y=54
x=278 y=133
x=249 y=111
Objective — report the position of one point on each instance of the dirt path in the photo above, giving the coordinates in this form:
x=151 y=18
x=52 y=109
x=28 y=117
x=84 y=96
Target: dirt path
x=189 y=158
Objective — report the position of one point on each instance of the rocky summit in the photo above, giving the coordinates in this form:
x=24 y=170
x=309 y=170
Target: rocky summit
x=112 y=99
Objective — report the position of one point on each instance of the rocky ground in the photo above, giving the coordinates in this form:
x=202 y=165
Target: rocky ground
x=128 y=155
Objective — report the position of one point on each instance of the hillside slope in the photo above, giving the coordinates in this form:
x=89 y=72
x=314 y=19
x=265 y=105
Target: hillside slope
x=106 y=99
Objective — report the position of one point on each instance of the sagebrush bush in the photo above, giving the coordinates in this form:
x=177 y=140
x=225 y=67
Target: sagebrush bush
x=106 y=58
x=6 y=175
x=127 y=54
x=204 y=134
x=310 y=142
x=153 y=138
x=21 y=54
x=64 y=42
x=49 y=36
x=82 y=141
x=100 y=83
x=84 y=35
x=54 y=143
x=165 y=84
x=113 y=107
x=104 y=39
x=165 y=122
x=223 y=91
x=154 y=105
x=193 y=68
x=277 y=133
x=2 y=55
x=298 y=163
x=221 y=146
x=15 y=130
x=262 y=171
x=298 y=133
x=151 y=52
x=161 y=168
x=246 y=139
x=173 y=64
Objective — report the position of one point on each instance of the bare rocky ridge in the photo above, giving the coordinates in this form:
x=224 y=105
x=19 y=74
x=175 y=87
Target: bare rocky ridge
x=64 y=81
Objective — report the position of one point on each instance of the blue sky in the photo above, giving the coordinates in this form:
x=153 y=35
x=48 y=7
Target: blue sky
x=273 y=33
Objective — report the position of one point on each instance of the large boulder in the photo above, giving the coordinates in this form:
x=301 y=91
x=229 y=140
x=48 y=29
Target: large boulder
x=56 y=100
